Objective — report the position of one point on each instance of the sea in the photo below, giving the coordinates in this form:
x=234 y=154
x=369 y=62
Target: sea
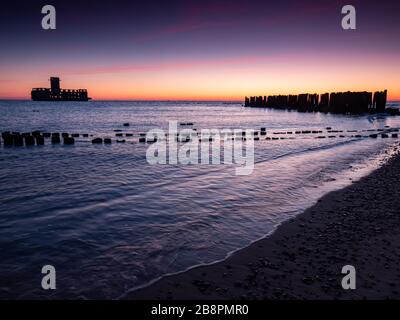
x=110 y=222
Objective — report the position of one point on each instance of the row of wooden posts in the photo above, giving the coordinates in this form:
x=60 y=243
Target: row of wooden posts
x=336 y=102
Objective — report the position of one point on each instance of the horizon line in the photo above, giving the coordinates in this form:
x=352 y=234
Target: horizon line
x=138 y=100
x=157 y=100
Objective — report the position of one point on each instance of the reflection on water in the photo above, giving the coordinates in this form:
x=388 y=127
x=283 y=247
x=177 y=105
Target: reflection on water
x=108 y=221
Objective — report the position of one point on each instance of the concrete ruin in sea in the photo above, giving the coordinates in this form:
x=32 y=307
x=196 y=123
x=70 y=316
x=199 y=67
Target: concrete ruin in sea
x=336 y=102
x=55 y=93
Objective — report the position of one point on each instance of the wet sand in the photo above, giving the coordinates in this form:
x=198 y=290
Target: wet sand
x=303 y=258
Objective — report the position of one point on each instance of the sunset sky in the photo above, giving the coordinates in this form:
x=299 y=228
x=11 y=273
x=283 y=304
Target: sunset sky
x=200 y=49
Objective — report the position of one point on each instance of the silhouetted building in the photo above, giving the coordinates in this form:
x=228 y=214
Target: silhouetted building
x=55 y=93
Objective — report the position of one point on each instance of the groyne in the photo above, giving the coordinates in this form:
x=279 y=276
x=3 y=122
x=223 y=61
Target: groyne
x=335 y=102
x=39 y=138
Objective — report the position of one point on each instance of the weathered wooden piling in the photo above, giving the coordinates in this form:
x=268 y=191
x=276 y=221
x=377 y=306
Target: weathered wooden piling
x=18 y=140
x=324 y=103
x=69 y=140
x=55 y=139
x=29 y=140
x=97 y=140
x=379 y=101
x=8 y=140
x=5 y=133
x=39 y=140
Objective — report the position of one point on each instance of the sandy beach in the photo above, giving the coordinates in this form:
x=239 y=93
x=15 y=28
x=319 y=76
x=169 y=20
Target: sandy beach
x=303 y=258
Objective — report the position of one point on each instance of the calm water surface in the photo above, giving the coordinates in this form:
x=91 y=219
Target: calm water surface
x=109 y=222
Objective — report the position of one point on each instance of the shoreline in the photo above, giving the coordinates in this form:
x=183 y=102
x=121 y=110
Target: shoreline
x=302 y=259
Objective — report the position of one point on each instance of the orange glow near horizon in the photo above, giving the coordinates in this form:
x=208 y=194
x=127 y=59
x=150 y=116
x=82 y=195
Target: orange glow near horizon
x=213 y=79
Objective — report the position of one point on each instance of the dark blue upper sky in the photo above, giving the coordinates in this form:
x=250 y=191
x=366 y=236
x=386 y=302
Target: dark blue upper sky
x=140 y=43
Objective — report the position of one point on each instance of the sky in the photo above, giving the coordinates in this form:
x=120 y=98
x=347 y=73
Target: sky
x=199 y=50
